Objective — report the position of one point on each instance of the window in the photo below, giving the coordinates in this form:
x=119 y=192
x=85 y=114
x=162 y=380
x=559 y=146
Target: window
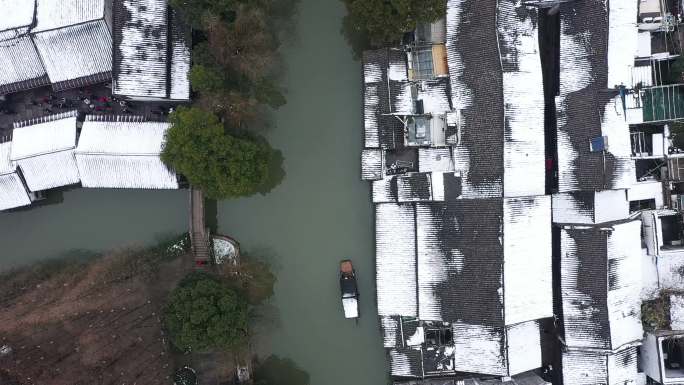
x=422 y=64
x=439 y=337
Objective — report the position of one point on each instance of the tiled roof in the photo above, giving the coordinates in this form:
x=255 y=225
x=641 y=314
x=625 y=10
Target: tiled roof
x=589 y=207
x=586 y=110
x=118 y=154
x=391 y=331
x=414 y=187
x=591 y=368
x=406 y=362
x=44 y=135
x=477 y=90
x=395 y=260
x=44 y=150
x=77 y=51
x=180 y=60
x=600 y=285
x=622 y=41
x=51 y=14
x=16 y=14
x=13 y=193
x=21 y=66
x=499 y=351
x=502 y=117
x=67 y=43
x=371 y=164
x=435 y=159
x=141 y=50
x=524 y=100
x=380 y=93
x=47 y=171
x=151 y=55
x=461 y=260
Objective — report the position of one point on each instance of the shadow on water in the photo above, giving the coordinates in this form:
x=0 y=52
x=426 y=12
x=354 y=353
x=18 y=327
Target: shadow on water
x=281 y=371
x=276 y=173
x=357 y=38
x=211 y=215
x=51 y=197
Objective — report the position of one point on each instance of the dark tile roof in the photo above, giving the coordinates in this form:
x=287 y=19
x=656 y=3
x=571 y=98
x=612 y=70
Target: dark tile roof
x=150 y=53
x=381 y=130
x=474 y=41
x=470 y=292
x=581 y=111
x=406 y=362
x=600 y=293
x=414 y=187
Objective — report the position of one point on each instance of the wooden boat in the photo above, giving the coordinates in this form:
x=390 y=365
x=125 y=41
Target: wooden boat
x=349 y=289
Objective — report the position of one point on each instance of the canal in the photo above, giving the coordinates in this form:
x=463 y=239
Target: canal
x=320 y=213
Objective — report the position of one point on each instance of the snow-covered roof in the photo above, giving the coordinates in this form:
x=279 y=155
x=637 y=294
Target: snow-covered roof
x=391 y=335
x=496 y=85
x=528 y=292
x=381 y=129
x=497 y=351
x=123 y=154
x=590 y=207
x=523 y=95
x=44 y=150
x=44 y=135
x=395 y=260
x=601 y=285
x=585 y=109
x=17 y=13
x=670 y=269
x=51 y=14
x=623 y=41
x=461 y=260
x=141 y=37
x=67 y=43
x=147 y=63
x=385 y=189
x=21 y=65
x=591 y=367
x=435 y=159
x=13 y=193
x=76 y=52
x=414 y=187
x=406 y=362
x=371 y=164
x=180 y=60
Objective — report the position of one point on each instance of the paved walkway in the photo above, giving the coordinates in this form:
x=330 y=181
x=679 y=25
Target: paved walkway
x=96 y=99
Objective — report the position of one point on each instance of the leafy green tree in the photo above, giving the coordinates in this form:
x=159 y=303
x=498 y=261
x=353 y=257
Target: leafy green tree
x=379 y=22
x=251 y=276
x=203 y=314
x=222 y=164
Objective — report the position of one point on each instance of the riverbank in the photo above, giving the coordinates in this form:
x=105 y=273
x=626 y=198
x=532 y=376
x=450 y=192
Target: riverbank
x=90 y=317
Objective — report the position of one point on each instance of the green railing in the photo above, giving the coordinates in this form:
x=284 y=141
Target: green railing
x=662 y=103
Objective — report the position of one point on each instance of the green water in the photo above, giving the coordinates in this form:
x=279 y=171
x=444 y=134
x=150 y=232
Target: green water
x=320 y=214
